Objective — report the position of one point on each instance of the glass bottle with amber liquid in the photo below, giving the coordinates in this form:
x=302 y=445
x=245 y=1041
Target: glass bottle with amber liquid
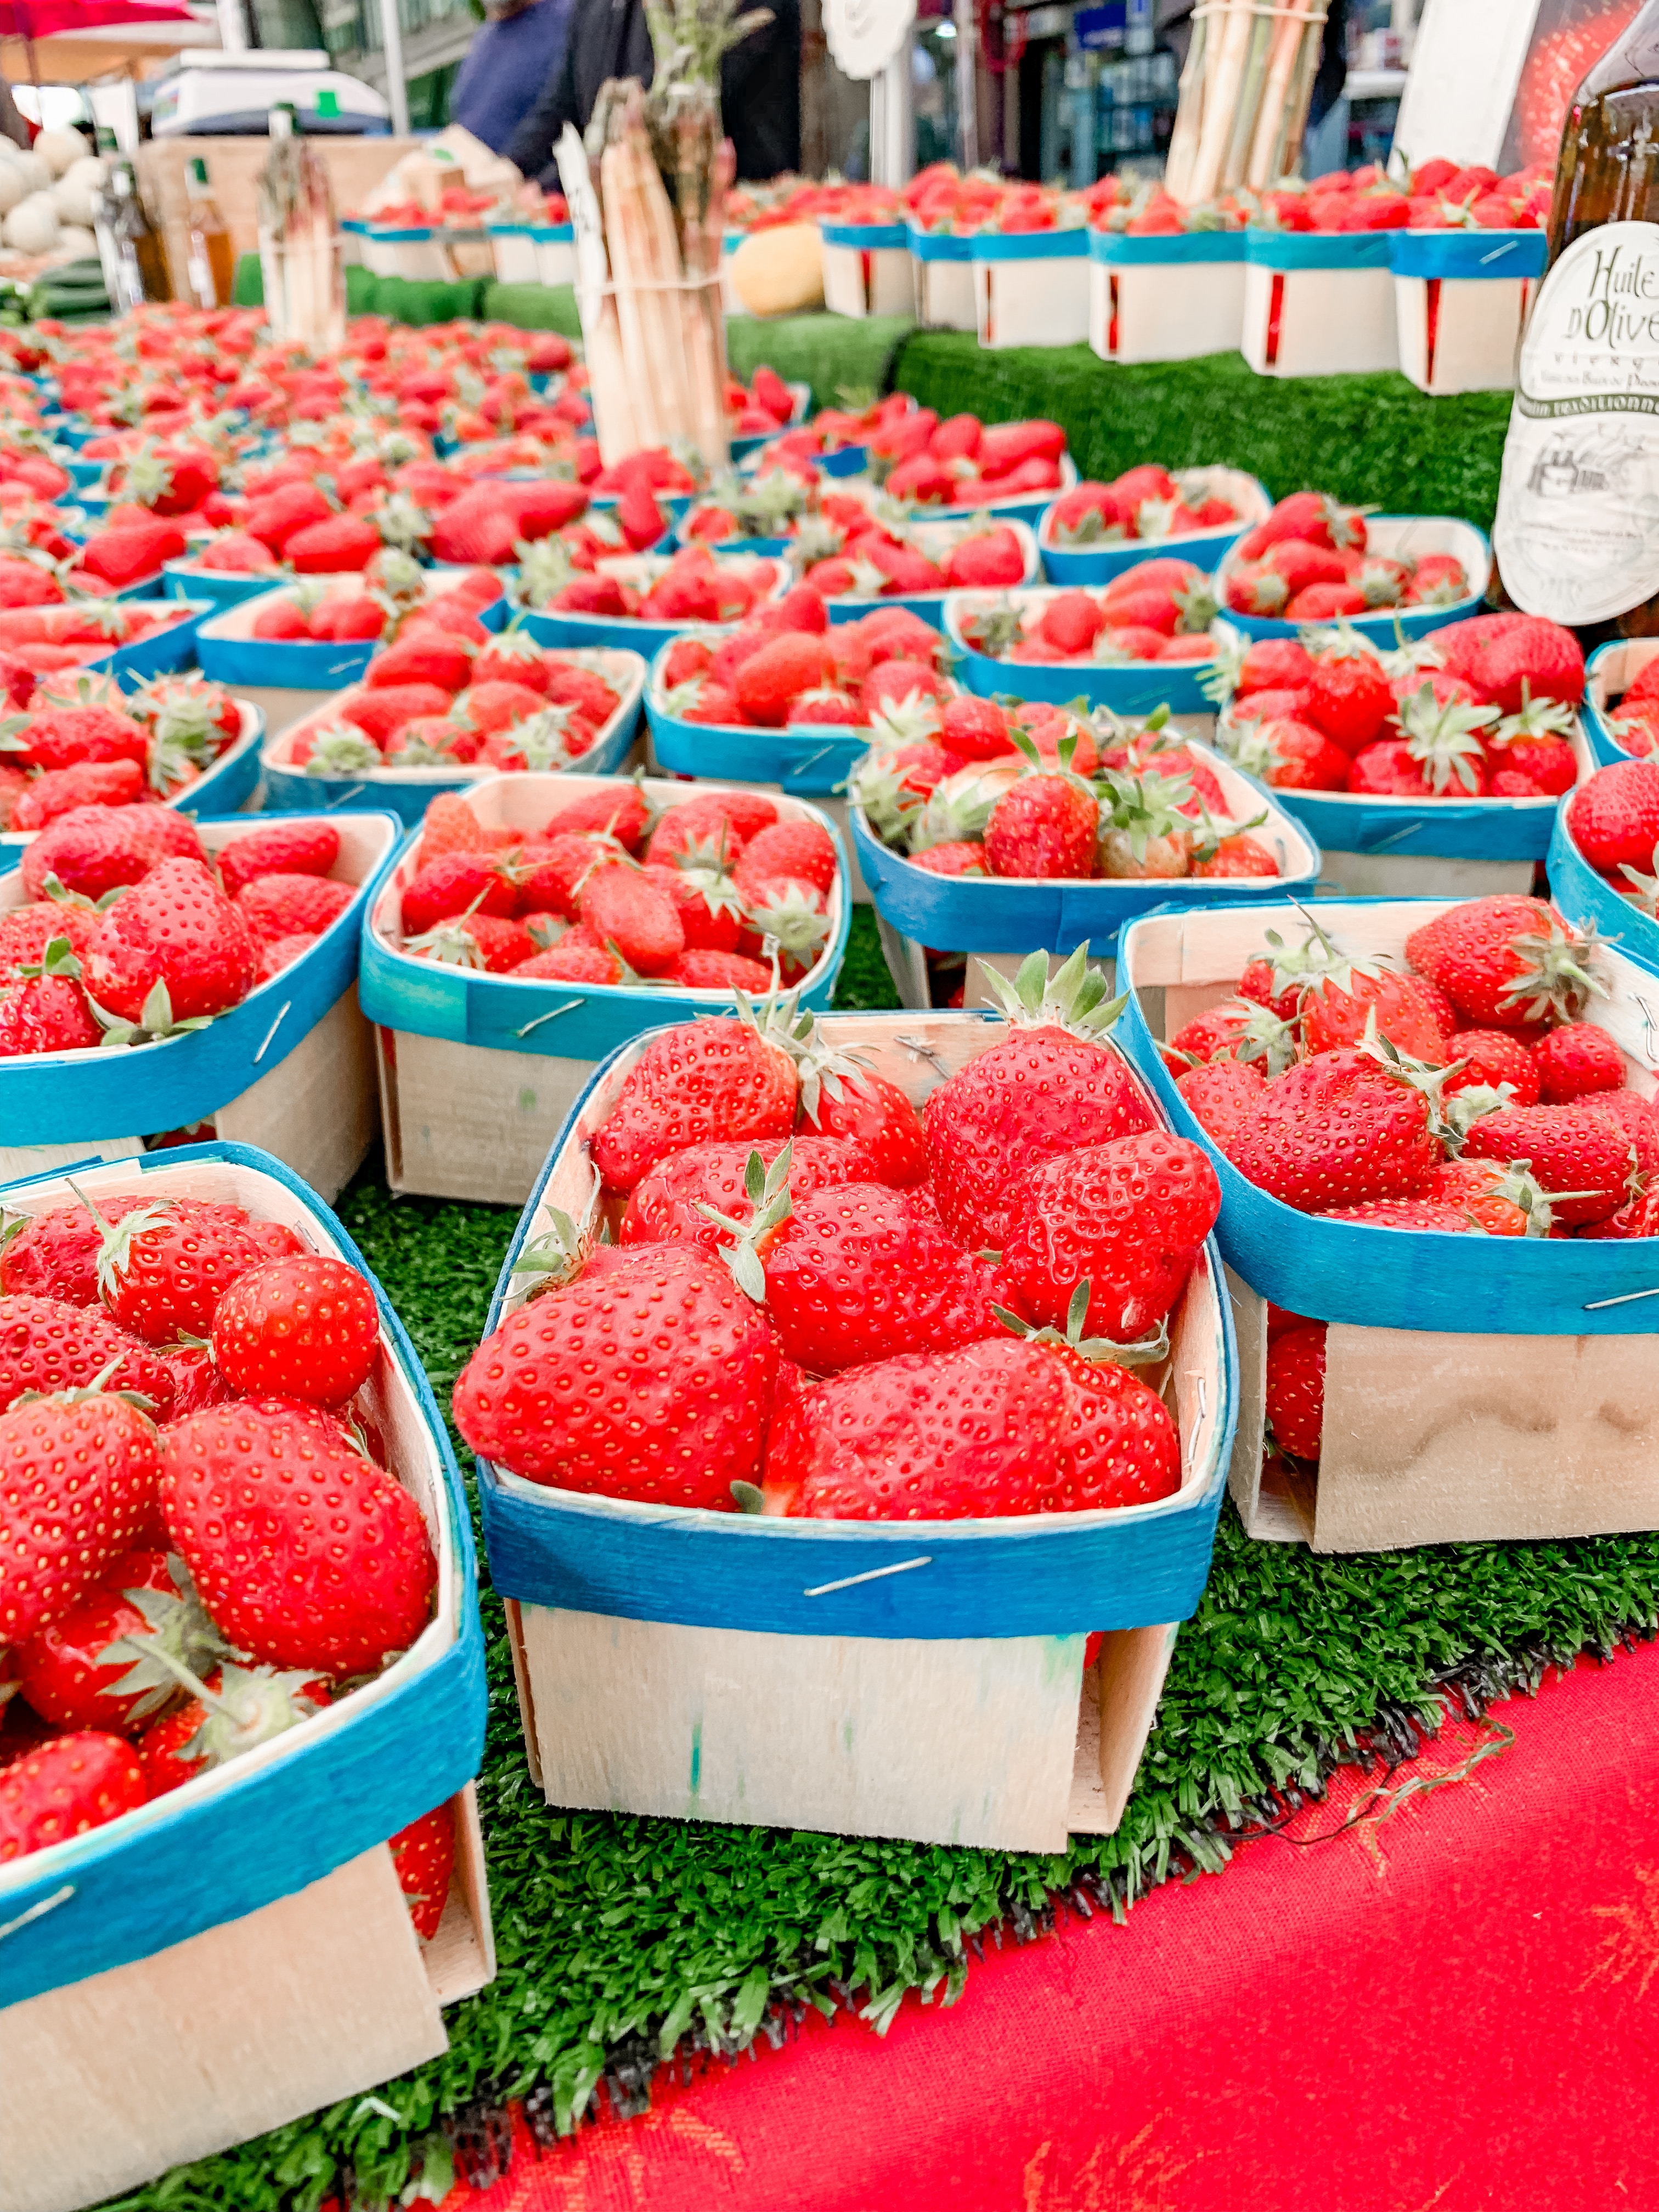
x=1577 y=536
x=210 y=262
x=138 y=255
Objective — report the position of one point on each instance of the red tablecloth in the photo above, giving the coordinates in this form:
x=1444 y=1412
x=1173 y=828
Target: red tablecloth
x=1452 y=2004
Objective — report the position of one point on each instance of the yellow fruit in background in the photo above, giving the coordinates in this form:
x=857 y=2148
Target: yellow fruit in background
x=779 y=272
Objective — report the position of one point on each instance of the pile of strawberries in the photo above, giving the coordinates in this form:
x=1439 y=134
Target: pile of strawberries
x=1463 y=1091
x=1038 y=791
x=1148 y=211
x=82 y=741
x=1481 y=709
x=915 y=457
x=861 y=1311
x=1632 y=720
x=722 y=893
x=1146 y=502
x=1438 y=195
x=133 y=932
x=1613 y=817
x=1309 y=561
x=768 y=404
x=844 y=545
x=393 y=586
x=48 y=638
x=171 y=1595
x=690 y=586
x=1159 y=610
x=786 y=666
x=450 y=693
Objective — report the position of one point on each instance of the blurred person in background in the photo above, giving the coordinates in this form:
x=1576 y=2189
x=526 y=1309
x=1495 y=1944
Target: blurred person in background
x=520 y=47
x=760 y=86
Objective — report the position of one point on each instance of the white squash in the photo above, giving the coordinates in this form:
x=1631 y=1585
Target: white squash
x=59 y=149
x=76 y=242
x=32 y=226
x=14 y=185
x=72 y=194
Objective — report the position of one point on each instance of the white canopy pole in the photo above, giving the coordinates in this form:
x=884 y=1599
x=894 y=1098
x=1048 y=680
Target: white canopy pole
x=396 y=91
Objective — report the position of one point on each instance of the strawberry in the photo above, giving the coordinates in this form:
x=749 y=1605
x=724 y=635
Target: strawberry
x=1235 y=857
x=426 y=656
x=48 y=1344
x=1238 y=1029
x=64 y=736
x=1614 y=816
x=1505 y=961
x=959 y=857
x=1296 y=1390
x=173 y=950
x=1567 y=1148
x=423 y=1854
x=1043 y=825
x=78 y=1484
x=628 y=912
x=874 y=1114
x=306 y=1328
x=1290 y=755
x=1350 y=699
x=162 y=1268
x=1418 y=1213
x=711 y=1081
x=43 y=1007
x=770 y=680
x=1511 y=658
x=284 y=622
x=1126 y=1218
x=566 y=963
x=1071 y=621
x=1337 y=1130
x=1310 y=516
x=620 y=811
x=672 y=1204
x=288 y=848
x=89 y=783
x=1048 y=1087
x=492 y=707
x=975 y=729
x=985 y=559
x=280 y=905
x=305 y=1553
x=450 y=825
x=1635 y=1116
x=1501 y=1200
x=676 y=1429
x=63 y=1671
x=1220 y=1092
x=55 y=1253
x=117 y=558
x=339 y=542
x=1576 y=1060
x=64 y=1788
x=459 y=882
x=1337 y=1011
x=93 y=850
x=702 y=968
x=1490 y=1057
x=380 y=712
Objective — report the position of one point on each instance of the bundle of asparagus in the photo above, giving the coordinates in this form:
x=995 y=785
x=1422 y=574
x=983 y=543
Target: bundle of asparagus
x=1244 y=95
x=300 y=252
x=648 y=242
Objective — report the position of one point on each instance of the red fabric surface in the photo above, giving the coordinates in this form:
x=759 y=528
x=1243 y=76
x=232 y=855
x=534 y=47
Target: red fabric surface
x=1453 y=2004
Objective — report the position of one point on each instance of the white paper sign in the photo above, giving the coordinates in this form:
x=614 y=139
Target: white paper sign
x=1466 y=66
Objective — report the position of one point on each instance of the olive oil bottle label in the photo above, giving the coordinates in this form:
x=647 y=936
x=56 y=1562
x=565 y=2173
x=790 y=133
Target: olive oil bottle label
x=1577 y=530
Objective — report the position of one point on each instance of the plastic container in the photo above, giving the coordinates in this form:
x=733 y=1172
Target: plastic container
x=1318 y=304
x=407 y=791
x=121 y=1958
x=1461 y=298
x=290 y=1069
x=1466 y=1378
x=1129 y=687
x=1165 y=299
x=1031 y=287
x=921 y=1679
x=621 y=632
x=478 y=1071
x=1407 y=536
x=1093 y=565
x=944 y=278
x=867 y=270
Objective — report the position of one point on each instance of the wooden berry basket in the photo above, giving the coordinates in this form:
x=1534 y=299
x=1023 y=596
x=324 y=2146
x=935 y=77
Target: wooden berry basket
x=222 y=788
x=1461 y=298
x=633 y=634
x=1031 y=287
x=1468 y=1380
x=944 y=277
x=407 y=791
x=1587 y=898
x=1403 y=537
x=923 y=1679
x=1008 y=918
x=1610 y=670
x=227 y=651
x=808 y=760
x=867 y=270
x=478 y=1073
x=291 y=1068
x=1126 y=687
x=238 y=1952
x=1318 y=303
x=1092 y=566
x=1165 y=298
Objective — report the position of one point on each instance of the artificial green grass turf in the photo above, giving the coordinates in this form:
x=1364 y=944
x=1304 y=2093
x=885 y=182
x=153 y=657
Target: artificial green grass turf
x=617 y=1934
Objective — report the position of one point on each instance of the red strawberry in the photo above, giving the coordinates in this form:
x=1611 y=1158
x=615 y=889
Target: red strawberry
x=477 y=941
x=1291 y=756
x=710 y=1081
x=280 y=906
x=305 y=1553
x=48 y=1344
x=676 y=1429
x=1492 y=1057
x=380 y=712
x=172 y=949
x=770 y=680
x=63 y=1671
x=1639 y=1216
x=64 y=1788
x=1511 y=658
x=1614 y=816
x=1505 y=961
x=1296 y=1389
x=78 y=1484
x=90 y=783
x=873 y=1114
x=55 y=1253
x=619 y=811
x=65 y=737
x=625 y=909
x=459 y=883
x=1576 y=1060
x=425 y=656
x=1071 y=621
x=306 y=1327
x=729 y=816
x=1349 y=700
x=96 y=850
x=1635 y=1116
x=424 y=1855
x=702 y=968
x=162 y=1268
x=1337 y=1131
x=667 y=1204
x=1221 y=1092
x=288 y=848
x=1567 y=1148
x=1335 y=1012
x=450 y=826
x=1043 y=826
x=341 y=541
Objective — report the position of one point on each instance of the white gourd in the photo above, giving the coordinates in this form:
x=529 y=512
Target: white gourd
x=14 y=186
x=59 y=149
x=37 y=176
x=75 y=241
x=72 y=194
x=32 y=226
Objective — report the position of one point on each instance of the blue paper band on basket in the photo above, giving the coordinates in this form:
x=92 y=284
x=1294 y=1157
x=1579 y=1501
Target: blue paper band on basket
x=1464 y=254
x=809 y=761
x=865 y=237
x=65 y=1097
x=1070 y=244
x=1024 y=1576
x=939 y=245
x=1480 y=829
x=1119 y=250
x=280 y=1818
x=1287 y=251
x=1584 y=897
x=1093 y=565
x=1417 y=1279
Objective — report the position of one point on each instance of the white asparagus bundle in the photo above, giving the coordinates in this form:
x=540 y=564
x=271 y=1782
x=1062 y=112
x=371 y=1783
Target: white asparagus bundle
x=1183 y=142
x=1243 y=95
x=613 y=415
x=1294 y=34
x=1229 y=46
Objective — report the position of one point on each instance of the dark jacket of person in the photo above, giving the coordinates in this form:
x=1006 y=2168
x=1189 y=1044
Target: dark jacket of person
x=511 y=58
x=760 y=86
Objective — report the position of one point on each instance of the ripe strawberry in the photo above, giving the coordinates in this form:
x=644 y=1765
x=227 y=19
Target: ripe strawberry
x=710 y=1081
x=1220 y=1092
x=975 y=729
x=1336 y=1009
x=770 y=680
x=1636 y=1118
x=1492 y=1057
x=1505 y=961
x=64 y=1788
x=477 y=941
x=1576 y=1060
x=1567 y=1148
x=1418 y=1213
x=1290 y=755
x=1349 y=700
x=288 y=848
x=424 y=1855
x=571 y=963
x=306 y=1327
x=1296 y=1389
x=1336 y=1131
x=63 y=1669
x=667 y=1204
x=1614 y=817
x=458 y=883
x=1639 y=1216
x=1071 y=623
x=1127 y=1218
x=874 y=1114
x=1511 y=658
x=285 y=621
x=95 y=849
x=702 y=968
x=280 y=906
x=162 y=1268
x=47 y=1344
x=1238 y=1029
x=1501 y=1200
x=625 y=909
x=26 y=931
x=340 y=543
x=55 y=1253
x=305 y=1553
x=619 y=811
x=380 y=713
x=734 y=817
x=676 y=1429
x=43 y=1008
x=450 y=826
x=959 y=856
x=1043 y=826
x=789 y=920
x=89 y=783
x=427 y=656
x=171 y=950
x=77 y=1484
x=1048 y=1087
